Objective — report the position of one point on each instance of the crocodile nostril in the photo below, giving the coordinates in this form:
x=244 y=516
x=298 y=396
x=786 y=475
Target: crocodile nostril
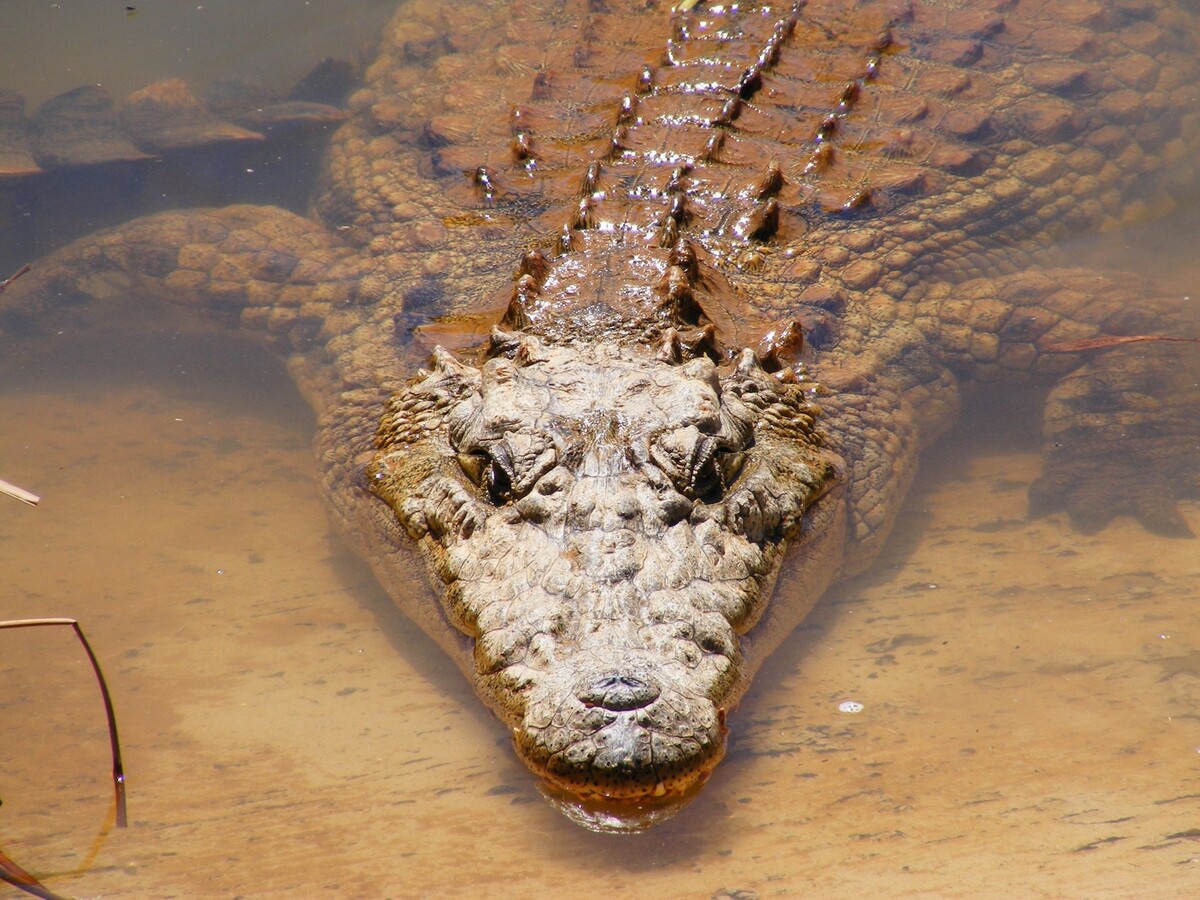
x=618 y=693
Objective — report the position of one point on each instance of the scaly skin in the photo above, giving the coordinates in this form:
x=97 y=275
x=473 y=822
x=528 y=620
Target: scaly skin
x=633 y=480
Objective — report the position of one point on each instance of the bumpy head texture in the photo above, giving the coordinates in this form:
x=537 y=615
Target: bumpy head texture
x=605 y=521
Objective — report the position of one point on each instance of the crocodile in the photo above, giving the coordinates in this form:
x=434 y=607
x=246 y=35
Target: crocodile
x=625 y=324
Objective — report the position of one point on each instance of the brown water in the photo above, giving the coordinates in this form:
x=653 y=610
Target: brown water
x=52 y=47
x=1031 y=721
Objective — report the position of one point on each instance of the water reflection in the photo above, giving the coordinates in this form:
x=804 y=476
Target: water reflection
x=1030 y=693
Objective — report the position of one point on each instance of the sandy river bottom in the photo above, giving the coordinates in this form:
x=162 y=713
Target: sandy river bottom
x=1031 y=696
x=1031 y=721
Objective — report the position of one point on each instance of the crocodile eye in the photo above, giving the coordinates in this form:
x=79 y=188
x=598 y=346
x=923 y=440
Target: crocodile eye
x=703 y=475
x=716 y=470
x=697 y=463
x=729 y=463
x=509 y=468
x=493 y=471
x=499 y=482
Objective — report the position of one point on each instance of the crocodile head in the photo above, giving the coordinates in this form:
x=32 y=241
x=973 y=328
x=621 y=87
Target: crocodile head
x=605 y=522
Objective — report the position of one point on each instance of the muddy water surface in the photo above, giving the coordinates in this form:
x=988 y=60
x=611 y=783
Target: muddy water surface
x=1031 y=696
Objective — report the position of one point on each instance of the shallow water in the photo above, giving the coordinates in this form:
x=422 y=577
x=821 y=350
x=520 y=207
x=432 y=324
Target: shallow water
x=1031 y=695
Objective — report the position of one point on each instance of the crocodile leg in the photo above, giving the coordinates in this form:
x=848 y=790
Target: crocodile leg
x=262 y=269
x=1120 y=427
x=1122 y=437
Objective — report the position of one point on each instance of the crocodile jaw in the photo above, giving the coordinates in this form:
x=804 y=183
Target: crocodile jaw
x=606 y=526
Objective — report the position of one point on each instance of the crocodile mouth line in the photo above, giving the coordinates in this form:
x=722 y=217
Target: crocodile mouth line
x=593 y=784
x=601 y=813
x=591 y=799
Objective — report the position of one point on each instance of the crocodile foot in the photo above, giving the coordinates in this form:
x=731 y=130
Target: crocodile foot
x=1122 y=438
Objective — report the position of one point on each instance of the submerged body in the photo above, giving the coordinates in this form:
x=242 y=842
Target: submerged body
x=706 y=281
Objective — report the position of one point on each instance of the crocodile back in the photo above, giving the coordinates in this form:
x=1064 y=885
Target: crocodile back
x=811 y=154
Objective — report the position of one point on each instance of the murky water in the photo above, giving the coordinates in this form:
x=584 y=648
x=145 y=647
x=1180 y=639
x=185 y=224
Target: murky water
x=1031 y=720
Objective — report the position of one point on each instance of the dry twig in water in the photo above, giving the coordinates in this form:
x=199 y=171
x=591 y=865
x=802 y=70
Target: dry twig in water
x=19 y=493
x=12 y=873
x=13 y=277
